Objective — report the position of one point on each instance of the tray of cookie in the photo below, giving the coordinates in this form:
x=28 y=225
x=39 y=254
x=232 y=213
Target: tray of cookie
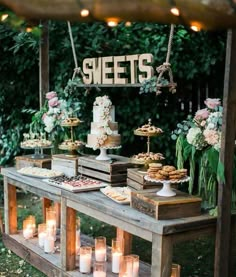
x=146 y=158
x=159 y=173
x=148 y=130
x=121 y=195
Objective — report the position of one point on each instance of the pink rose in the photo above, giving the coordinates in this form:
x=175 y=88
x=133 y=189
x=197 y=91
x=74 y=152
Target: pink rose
x=211 y=136
x=201 y=114
x=53 y=102
x=44 y=115
x=212 y=103
x=51 y=95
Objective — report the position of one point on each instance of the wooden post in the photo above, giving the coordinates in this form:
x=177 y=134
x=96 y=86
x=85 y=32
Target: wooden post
x=162 y=252
x=223 y=228
x=43 y=63
x=46 y=203
x=127 y=240
x=68 y=235
x=10 y=208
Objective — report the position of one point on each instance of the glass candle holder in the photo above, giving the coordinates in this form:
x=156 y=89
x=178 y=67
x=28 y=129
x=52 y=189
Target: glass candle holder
x=42 y=233
x=85 y=261
x=135 y=265
x=126 y=266
x=28 y=231
x=175 y=270
x=51 y=220
x=100 y=249
x=32 y=218
x=49 y=241
x=77 y=236
x=99 y=269
x=116 y=255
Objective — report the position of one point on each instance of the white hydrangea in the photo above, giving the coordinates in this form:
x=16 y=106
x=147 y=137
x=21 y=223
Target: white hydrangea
x=196 y=138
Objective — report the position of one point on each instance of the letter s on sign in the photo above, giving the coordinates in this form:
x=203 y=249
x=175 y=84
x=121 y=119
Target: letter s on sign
x=88 y=71
x=144 y=68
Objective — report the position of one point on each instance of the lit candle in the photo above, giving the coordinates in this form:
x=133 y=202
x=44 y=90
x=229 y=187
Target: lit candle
x=49 y=241
x=28 y=233
x=116 y=256
x=126 y=266
x=51 y=224
x=100 y=255
x=135 y=265
x=41 y=238
x=99 y=269
x=77 y=236
x=85 y=260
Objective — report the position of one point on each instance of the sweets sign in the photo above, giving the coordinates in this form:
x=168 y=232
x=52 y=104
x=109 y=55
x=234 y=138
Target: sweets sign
x=118 y=70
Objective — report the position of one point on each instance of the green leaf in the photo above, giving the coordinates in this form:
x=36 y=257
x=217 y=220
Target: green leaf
x=221 y=173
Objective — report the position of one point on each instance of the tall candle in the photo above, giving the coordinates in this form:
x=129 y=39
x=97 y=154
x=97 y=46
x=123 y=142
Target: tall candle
x=77 y=240
x=85 y=263
x=49 y=244
x=41 y=238
x=100 y=254
x=116 y=256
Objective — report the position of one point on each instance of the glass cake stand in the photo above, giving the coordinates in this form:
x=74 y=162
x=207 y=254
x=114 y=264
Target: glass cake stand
x=166 y=190
x=38 y=151
x=103 y=152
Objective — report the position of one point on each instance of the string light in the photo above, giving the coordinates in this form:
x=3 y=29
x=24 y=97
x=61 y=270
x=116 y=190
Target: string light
x=175 y=11
x=128 y=23
x=112 y=22
x=29 y=29
x=4 y=16
x=84 y=12
x=195 y=28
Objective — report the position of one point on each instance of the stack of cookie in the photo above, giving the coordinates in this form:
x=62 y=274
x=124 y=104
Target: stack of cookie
x=166 y=172
x=153 y=169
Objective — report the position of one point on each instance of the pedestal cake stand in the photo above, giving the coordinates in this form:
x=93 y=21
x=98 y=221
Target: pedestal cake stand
x=103 y=152
x=166 y=190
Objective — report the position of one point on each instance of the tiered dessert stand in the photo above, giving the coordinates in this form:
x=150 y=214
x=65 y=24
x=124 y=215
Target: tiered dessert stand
x=71 y=145
x=147 y=134
x=38 y=145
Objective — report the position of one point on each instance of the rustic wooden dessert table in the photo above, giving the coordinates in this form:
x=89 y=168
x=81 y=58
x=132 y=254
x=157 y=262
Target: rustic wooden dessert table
x=162 y=233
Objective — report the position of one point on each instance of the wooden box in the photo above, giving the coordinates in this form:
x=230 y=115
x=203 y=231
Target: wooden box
x=113 y=172
x=25 y=161
x=158 y=207
x=66 y=164
x=135 y=180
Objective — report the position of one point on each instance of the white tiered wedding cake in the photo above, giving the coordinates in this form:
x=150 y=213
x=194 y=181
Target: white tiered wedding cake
x=104 y=129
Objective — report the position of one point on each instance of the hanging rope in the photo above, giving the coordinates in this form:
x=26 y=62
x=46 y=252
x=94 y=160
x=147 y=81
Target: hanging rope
x=72 y=44
x=166 y=67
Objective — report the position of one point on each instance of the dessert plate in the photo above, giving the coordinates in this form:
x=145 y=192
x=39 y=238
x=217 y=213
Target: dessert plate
x=41 y=173
x=121 y=195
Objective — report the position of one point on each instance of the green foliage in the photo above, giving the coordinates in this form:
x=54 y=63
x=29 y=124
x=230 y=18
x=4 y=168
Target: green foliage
x=195 y=58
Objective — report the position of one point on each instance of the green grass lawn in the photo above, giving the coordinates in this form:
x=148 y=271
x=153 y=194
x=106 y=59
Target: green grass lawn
x=195 y=257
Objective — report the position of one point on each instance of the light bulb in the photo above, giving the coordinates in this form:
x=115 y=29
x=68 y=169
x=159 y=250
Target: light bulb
x=4 y=16
x=174 y=11
x=28 y=29
x=195 y=28
x=112 y=22
x=128 y=23
x=84 y=12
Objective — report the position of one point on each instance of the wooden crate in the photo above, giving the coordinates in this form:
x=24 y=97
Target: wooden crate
x=25 y=161
x=158 y=207
x=66 y=164
x=114 y=173
x=135 y=180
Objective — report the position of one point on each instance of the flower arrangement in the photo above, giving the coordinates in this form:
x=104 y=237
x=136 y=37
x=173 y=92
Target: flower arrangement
x=198 y=141
x=105 y=118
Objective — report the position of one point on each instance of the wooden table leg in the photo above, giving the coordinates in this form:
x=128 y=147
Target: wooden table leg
x=10 y=208
x=68 y=235
x=127 y=240
x=162 y=252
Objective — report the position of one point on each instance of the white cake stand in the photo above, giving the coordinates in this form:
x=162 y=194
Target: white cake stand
x=103 y=152
x=166 y=190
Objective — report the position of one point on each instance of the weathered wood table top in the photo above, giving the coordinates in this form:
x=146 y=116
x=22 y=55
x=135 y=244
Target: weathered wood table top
x=94 y=202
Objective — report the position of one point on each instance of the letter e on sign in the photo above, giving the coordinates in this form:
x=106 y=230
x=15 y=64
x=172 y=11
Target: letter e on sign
x=118 y=70
x=107 y=70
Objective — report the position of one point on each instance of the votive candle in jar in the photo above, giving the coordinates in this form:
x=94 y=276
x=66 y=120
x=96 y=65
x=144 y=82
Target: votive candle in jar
x=51 y=221
x=32 y=218
x=175 y=270
x=99 y=269
x=126 y=266
x=77 y=236
x=85 y=260
x=28 y=231
x=135 y=265
x=100 y=249
x=49 y=241
x=116 y=255
x=42 y=232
